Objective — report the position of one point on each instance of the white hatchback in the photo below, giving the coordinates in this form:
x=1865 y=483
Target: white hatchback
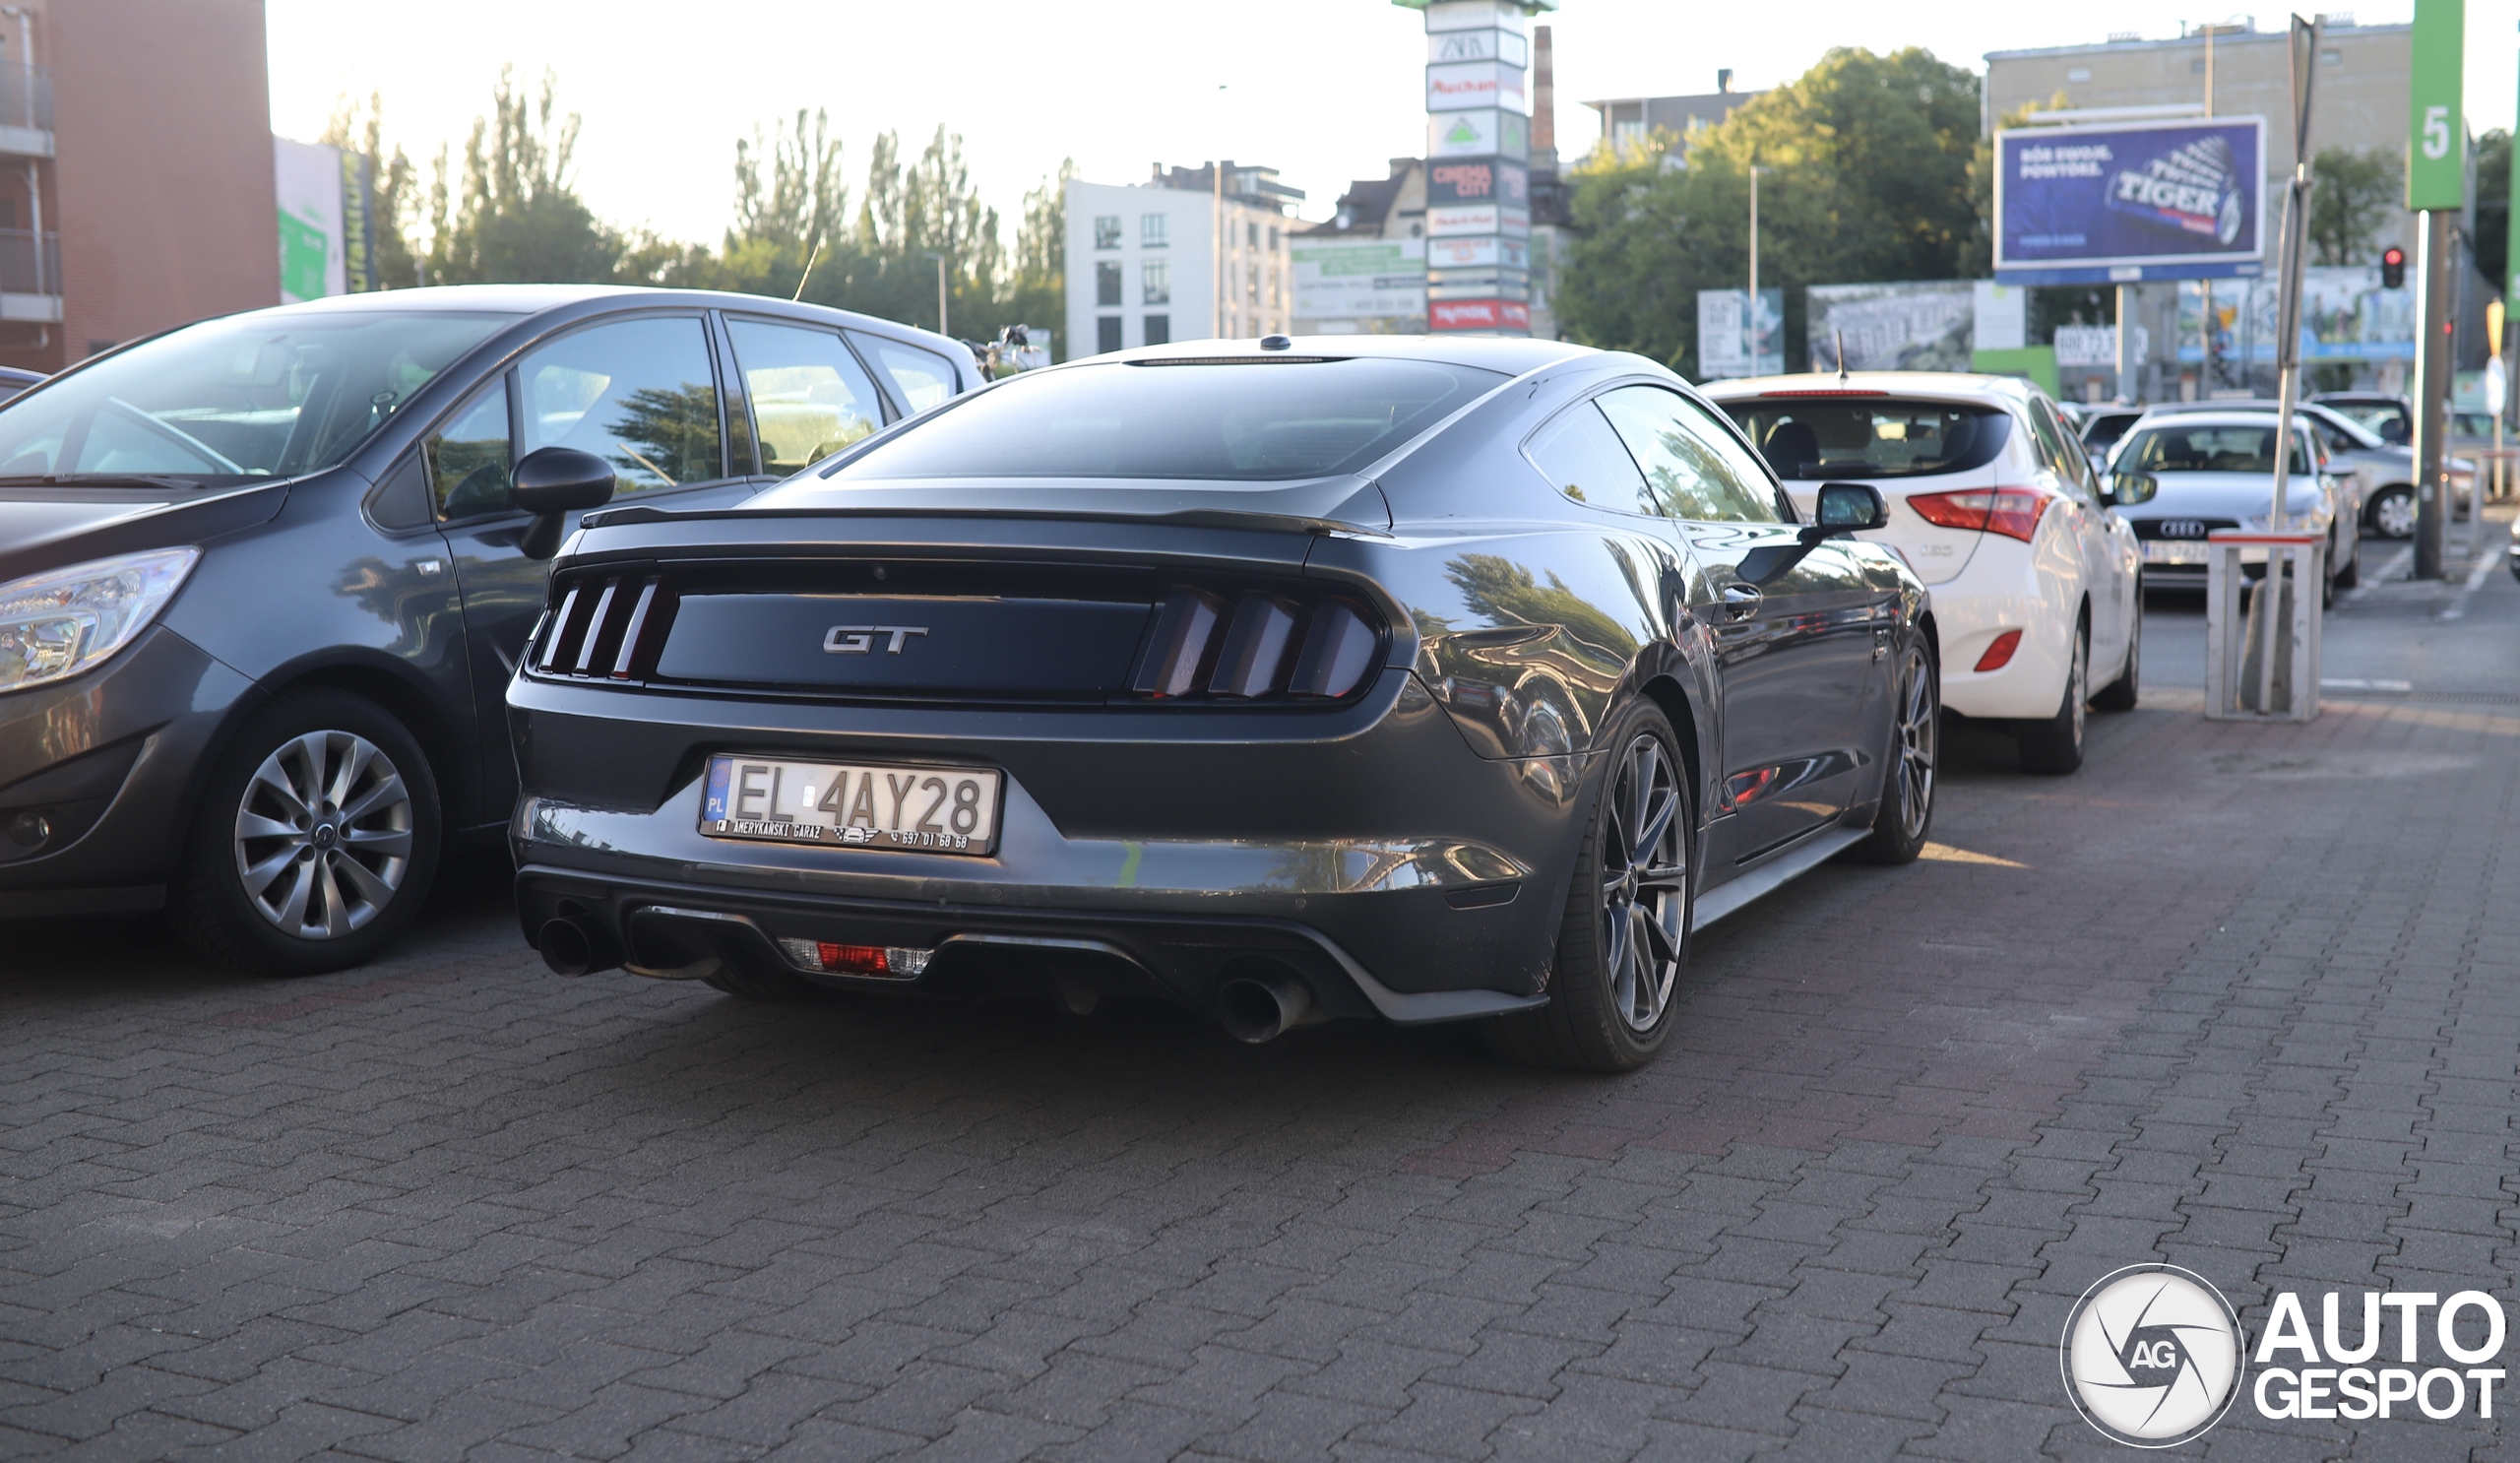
x=2037 y=585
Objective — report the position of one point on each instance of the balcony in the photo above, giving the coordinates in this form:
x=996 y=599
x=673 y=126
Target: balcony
x=26 y=113
x=29 y=292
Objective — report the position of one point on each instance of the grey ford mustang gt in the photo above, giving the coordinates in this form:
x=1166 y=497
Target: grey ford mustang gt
x=1292 y=680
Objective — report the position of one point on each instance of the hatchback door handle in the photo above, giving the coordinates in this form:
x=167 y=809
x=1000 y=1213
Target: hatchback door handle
x=1741 y=601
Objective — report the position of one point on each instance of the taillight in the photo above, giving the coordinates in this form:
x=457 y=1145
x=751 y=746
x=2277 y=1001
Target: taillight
x=604 y=628
x=2010 y=511
x=1256 y=646
x=1999 y=653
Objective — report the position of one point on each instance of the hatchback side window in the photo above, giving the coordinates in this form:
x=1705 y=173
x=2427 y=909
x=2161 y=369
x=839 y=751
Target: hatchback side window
x=810 y=397
x=2071 y=464
x=640 y=394
x=1583 y=459
x=469 y=458
x=923 y=377
x=1687 y=474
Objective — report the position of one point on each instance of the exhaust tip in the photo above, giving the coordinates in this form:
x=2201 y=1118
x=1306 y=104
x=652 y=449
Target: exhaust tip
x=566 y=947
x=1259 y=1008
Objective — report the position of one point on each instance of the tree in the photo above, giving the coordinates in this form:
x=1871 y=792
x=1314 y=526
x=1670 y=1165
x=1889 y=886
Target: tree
x=515 y=217
x=2494 y=204
x=2358 y=194
x=1038 y=295
x=393 y=190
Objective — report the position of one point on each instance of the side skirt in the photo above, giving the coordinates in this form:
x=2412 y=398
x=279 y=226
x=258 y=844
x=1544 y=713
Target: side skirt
x=1780 y=869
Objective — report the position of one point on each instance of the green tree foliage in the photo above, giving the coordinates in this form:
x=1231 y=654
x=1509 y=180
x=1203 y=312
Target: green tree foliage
x=1038 y=292
x=1865 y=173
x=514 y=215
x=2358 y=194
x=394 y=189
x=2494 y=204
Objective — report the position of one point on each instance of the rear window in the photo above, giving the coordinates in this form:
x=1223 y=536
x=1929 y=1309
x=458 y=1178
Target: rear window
x=2206 y=449
x=1872 y=439
x=1254 y=423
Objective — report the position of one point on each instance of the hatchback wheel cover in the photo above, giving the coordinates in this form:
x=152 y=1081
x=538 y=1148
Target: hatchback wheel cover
x=2395 y=516
x=323 y=835
x=1645 y=883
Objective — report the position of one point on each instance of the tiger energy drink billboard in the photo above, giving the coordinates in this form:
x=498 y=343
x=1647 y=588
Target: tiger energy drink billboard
x=2175 y=200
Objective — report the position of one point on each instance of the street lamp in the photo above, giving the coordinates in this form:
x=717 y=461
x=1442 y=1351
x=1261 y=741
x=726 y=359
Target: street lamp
x=940 y=289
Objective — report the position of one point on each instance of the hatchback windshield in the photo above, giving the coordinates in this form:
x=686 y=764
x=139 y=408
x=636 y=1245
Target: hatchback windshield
x=1872 y=439
x=254 y=396
x=2206 y=449
x=1259 y=421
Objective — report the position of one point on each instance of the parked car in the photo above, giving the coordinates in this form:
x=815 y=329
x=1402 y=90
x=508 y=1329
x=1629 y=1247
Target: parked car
x=1415 y=680
x=2103 y=425
x=2194 y=472
x=2037 y=588
x=2391 y=419
x=14 y=379
x=2379 y=475
x=263 y=579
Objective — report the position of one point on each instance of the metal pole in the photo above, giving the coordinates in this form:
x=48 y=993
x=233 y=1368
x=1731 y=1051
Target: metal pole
x=1216 y=227
x=1753 y=316
x=2125 y=345
x=2431 y=390
x=2304 y=39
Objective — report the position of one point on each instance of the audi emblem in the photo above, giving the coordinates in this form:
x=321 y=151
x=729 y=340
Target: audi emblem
x=2181 y=527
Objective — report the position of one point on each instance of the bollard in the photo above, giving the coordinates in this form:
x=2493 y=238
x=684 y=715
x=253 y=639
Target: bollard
x=2263 y=666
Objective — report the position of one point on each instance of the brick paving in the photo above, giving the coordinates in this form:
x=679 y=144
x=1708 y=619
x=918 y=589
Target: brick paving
x=2241 y=999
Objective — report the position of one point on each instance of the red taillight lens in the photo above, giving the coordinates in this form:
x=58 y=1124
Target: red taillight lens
x=2010 y=511
x=889 y=961
x=1999 y=653
x=1259 y=645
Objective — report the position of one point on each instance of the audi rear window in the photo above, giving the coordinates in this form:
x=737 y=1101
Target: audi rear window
x=1840 y=439
x=1234 y=421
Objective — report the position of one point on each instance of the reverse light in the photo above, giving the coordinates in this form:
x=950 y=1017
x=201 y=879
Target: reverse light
x=1259 y=645
x=889 y=962
x=57 y=625
x=2013 y=511
x=1999 y=653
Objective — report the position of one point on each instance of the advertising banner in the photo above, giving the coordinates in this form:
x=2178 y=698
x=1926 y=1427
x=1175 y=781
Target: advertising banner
x=2176 y=200
x=1471 y=14
x=307 y=179
x=1478 y=314
x=1477 y=180
x=1922 y=326
x=1724 y=334
x=1364 y=281
x=2346 y=316
x=1472 y=253
x=1479 y=284
x=1466 y=218
x=1462 y=84
x=1480 y=132
x=2095 y=346
x=1507 y=46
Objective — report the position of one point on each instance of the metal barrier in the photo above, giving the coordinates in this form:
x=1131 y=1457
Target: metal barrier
x=2263 y=666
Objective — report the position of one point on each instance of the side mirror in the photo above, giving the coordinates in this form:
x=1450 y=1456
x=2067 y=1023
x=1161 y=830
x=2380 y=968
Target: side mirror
x=2129 y=489
x=1846 y=508
x=552 y=482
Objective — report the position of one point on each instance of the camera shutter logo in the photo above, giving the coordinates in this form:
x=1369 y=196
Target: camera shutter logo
x=2152 y=1355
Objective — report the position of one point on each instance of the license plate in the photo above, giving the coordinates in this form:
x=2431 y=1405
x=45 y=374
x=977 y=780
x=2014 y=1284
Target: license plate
x=927 y=810
x=2168 y=551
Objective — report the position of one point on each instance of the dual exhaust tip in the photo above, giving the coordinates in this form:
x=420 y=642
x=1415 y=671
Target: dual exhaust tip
x=1259 y=1003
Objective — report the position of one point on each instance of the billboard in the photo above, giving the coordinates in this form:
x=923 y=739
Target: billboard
x=1477 y=180
x=1921 y=326
x=327 y=221
x=1484 y=132
x=1724 y=345
x=1360 y=284
x=2346 y=316
x=2175 y=200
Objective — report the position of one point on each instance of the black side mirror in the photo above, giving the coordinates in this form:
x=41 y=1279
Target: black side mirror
x=2126 y=489
x=1846 y=508
x=551 y=483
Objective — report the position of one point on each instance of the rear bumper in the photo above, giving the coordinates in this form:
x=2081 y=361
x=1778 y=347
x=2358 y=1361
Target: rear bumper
x=2007 y=587
x=1369 y=846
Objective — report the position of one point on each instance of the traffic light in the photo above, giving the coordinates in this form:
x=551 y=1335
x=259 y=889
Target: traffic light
x=2393 y=268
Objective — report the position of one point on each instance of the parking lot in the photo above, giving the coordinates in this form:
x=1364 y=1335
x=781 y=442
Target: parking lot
x=2238 y=998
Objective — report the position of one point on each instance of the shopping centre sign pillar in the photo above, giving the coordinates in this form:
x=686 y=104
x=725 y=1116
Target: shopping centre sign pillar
x=2437 y=187
x=1478 y=199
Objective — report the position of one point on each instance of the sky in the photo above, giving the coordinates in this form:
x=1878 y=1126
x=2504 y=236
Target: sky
x=1325 y=91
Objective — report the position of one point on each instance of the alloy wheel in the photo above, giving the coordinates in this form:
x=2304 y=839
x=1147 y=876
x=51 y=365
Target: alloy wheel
x=1645 y=882
x=2078 y=690
x=1919 y=722
x=323 y=835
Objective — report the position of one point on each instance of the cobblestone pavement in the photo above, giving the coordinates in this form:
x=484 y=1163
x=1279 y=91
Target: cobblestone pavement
x=2242 y=999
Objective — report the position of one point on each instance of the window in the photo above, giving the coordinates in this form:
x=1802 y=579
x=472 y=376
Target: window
x=1106 y=231
x=1251 y=282
x=1159 y=329
x=1150 y=228
x=810 y=397
x=1693 y=468
x=1273 y=237
x=1246 y=422
x=1581 y=458
x=640 y=394
x=1107 y=333
x=1810 y=440
x=469 y=458
x=923 y=377
x=1252 y=235
x=1107 y=283
x=2207 y=449
x=1156 y=277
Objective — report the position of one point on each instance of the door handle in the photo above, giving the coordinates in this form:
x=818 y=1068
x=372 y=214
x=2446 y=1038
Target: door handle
x=1741 y=601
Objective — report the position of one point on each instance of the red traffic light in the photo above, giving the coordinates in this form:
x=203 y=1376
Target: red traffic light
x=2393 y=268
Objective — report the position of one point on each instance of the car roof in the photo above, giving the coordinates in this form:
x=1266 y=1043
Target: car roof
x=1937 y=385
x=524 y=301
x=1511 y=356
x=2233 y=416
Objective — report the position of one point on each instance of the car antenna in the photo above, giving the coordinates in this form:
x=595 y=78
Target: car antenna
x=1842 y=353
x=810 y=257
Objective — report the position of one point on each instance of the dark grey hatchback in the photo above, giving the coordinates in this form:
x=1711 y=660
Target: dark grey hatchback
x=263 y=579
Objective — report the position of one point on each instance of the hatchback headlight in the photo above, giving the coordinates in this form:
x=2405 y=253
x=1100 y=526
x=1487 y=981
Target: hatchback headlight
x=57 y=625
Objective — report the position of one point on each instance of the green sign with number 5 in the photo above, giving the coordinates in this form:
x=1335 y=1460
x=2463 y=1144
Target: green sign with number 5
x=2436 y=175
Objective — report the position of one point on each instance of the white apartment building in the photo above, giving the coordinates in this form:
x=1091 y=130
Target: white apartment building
x=1145 y=264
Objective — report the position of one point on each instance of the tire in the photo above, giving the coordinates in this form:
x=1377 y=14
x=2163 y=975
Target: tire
x=2120 y=694
x=1624 y=939
x=771 y=986
x=315 y=841
x=2392 y=513
x=2054 y=747
x=1906 y=814
x=2352 y=574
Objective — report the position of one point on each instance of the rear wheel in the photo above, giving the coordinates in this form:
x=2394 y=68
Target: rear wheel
x=1906 y=814
x=2119 y=694
x=2393 y=512
x=315 y=842
x=1624 y=938
x=2054 y=747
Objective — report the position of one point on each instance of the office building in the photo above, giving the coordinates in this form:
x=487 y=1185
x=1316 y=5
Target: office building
x=1177 y=259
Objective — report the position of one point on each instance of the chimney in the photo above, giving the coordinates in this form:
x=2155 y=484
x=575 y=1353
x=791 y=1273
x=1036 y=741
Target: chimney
x=1543 y=96
x=1723 y=82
